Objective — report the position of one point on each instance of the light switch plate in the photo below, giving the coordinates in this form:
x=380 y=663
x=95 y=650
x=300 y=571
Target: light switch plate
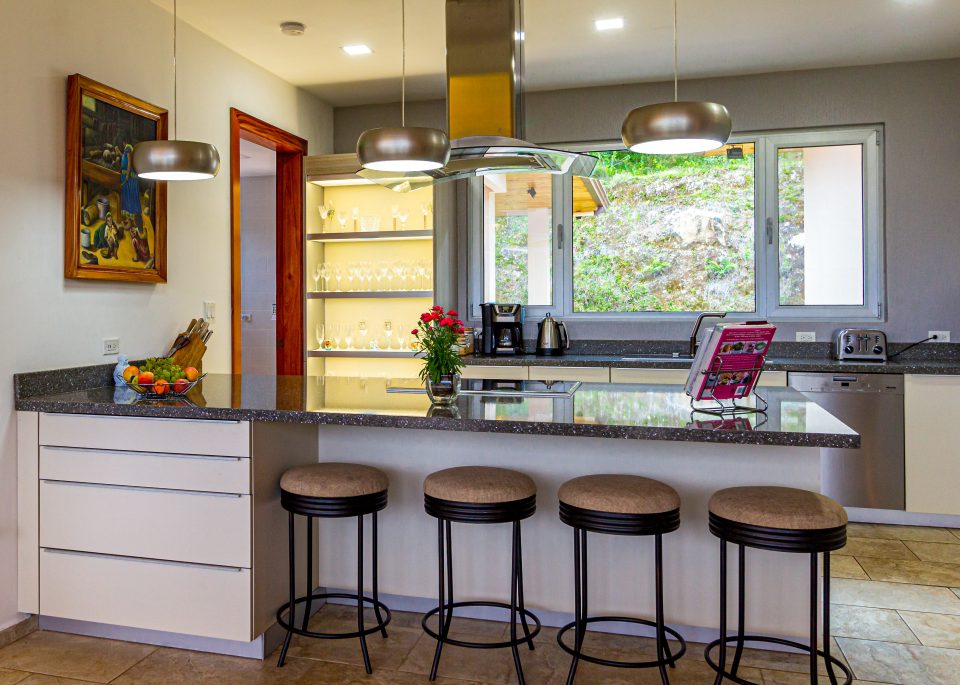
x=806 y=336
x=209 y=311
x=942 y=336
x=111 y=346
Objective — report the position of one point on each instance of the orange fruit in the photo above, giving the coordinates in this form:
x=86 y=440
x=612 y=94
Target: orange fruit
x=191 y=374
x=130 y=374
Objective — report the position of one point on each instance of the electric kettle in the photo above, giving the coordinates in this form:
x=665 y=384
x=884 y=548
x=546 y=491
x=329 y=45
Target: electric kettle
x=551 y=337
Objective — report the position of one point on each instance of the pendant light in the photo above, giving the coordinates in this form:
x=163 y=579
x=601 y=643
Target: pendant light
x=676 y=128
x=175 y=160
x=407 y=148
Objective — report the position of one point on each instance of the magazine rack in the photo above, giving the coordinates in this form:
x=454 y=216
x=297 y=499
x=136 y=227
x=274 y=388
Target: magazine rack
x=730 y=407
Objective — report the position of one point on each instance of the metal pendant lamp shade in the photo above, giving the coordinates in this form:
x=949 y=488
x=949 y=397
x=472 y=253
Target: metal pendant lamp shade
x=175 y=160
x=403 y=148
x=676 y=128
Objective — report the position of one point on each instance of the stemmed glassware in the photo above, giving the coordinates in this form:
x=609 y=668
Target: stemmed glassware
x=425 y=209
x=362 y=331
x=320 y=338
x=387 y=333
x=338 y=275
x=403 y=216
x=336 y=332
x=342 y=220
x=395 y=213
x=316 y=278
x=325 y=212
x=325 y=273
x=348 y=336
x=355 y=213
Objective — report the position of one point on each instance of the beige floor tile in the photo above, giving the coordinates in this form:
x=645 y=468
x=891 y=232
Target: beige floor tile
x=37 y=679
x=8 y=677
x=846 y=567
x=876 y=547
x=72 y=656
x=956 y=532
x=934 y=630
x=787 y=678
x=175 y=666
x=867 y=623
x=936 y=551
x=912 y=572
x=889 y=532
x=487 y=665
x=871 y=593
x=956 y=591
x=326 y=673
x=887 y=662
x=387 y=653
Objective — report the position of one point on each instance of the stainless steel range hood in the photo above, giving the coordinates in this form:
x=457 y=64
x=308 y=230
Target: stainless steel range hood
x=485 y=113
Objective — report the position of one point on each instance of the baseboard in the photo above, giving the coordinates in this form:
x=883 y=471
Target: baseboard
x=18 y=630
x=902 y=518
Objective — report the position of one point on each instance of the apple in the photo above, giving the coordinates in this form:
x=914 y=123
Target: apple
x=130 y=374
x=191 y=374
x=161 y=387
x=145 y=378
x=180 y=385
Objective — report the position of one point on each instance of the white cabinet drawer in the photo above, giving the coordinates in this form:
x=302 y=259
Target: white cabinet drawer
x=587 y=374
x=157 y=595
x=180 y=436
x=140 y=522
x=506 y=373
x=773 y=379
x=652 y=376
x=146 y=469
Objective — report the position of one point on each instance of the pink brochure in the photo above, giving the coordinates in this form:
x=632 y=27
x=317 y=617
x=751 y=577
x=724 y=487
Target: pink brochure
x=730 y=363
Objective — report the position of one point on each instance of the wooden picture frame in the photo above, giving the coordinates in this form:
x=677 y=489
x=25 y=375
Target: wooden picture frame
x=116 y=223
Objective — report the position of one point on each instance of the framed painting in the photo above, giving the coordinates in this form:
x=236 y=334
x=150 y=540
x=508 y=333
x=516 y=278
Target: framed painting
x=116 y=223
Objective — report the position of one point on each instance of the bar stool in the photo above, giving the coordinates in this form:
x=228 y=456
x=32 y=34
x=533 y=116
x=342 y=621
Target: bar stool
x=479 y=494
x=618 y=505
x=333 y=490
x=782 y=520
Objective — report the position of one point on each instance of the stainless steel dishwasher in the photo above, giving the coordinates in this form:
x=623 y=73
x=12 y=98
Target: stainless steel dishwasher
x=872 y=405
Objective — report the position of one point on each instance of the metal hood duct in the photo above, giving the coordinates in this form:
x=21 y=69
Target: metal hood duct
x=485 y=113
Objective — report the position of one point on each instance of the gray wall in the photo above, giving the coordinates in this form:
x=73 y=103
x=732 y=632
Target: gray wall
x=258 y=263
x=918 y=102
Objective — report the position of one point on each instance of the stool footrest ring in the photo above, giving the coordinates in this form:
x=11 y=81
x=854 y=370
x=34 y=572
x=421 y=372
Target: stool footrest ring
x=521 y=638
x=844 y=672
x=333 y=636
x=670 y=661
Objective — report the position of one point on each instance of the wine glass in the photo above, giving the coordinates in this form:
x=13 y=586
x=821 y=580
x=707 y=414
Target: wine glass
x=316 y=278
x=355 y=213
x=362 y=332
x=387 y=333
x=425 y=209
x=319 y=334
x=325 y=273
x=337 y=275
x=420 y=269
x=395 y=212
x=324 y=215
x=401 y=340
x=403 y=216
x=397 y=269
x=348 y=336
x=336 y=332
x=342 y=220
x=353 y=273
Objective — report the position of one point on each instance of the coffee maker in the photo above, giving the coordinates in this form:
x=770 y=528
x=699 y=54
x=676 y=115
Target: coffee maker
x=502 y=331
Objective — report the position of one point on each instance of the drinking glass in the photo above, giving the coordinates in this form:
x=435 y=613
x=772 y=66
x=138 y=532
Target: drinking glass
x=337 y=275
x=325 y=273
x=420 y=268
x=319 y=334
x=355 y=213
x=336 y=331
x=398 y=271
x=395 y=212
x=381 y=271
x=425 y=209
x=348 y=336
x=324 y=215
x=362 y=332
x=353 y=271
x=387 y=333
x=403 y=216
x=401 y=340
x=316 y=278
x=342 y=220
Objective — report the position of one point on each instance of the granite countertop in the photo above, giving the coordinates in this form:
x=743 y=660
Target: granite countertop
x=623 y=411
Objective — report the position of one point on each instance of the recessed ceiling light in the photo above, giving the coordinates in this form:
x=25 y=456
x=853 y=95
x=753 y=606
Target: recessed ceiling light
x=609 y=24
x=292 y=28
x=355 y=50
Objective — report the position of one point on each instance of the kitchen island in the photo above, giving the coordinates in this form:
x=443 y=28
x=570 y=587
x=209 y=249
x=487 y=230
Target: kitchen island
x=108 y=486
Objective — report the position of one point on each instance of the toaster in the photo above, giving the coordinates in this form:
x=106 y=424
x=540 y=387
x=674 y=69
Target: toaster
x=861 y=344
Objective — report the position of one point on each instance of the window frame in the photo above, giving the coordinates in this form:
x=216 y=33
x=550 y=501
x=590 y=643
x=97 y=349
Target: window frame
x=766 y=243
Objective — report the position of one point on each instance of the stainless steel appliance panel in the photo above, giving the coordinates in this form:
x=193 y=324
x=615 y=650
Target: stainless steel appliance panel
x=872 y=405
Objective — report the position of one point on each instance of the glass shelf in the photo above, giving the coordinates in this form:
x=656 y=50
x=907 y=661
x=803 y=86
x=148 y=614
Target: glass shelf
x=364 y=236
x=377 y=354
x=368 y=294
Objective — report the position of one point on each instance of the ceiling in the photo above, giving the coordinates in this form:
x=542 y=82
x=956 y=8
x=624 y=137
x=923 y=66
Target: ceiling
x=717 y=38
x=256 y=160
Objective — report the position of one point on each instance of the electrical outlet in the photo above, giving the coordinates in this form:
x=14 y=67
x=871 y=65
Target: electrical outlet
x=111 y=346
x=942 y=336
x=210 y=311
x=806 y=336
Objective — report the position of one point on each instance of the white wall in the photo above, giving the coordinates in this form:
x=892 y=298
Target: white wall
x=49 y=322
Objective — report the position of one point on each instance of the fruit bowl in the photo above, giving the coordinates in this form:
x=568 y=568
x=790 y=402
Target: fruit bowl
x=162 y=391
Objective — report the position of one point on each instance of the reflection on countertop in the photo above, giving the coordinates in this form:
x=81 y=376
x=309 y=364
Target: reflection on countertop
x=624 y=411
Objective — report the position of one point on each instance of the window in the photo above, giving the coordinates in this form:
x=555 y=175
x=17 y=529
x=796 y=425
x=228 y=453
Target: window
x=779 y=225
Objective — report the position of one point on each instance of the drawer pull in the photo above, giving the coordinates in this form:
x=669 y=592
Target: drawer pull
x=143 y=560
x=202 y=493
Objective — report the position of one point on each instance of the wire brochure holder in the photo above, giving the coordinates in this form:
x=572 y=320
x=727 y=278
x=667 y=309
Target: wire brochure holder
x=730 y=407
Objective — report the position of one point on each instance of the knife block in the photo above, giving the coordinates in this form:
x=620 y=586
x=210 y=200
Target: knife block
x=191 y=354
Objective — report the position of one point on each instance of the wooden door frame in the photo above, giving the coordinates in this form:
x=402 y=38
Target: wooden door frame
x=290 y=151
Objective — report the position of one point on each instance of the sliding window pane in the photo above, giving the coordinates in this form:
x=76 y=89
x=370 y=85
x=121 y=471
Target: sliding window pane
x=820 y=195
x=518 y=238
x=658 y=233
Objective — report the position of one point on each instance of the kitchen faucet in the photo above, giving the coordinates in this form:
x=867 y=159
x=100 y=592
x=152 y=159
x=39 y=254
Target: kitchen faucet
x=696 y=329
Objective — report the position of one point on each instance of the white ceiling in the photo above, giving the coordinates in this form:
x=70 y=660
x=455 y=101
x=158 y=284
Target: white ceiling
x=256 y=160
x=717 y=37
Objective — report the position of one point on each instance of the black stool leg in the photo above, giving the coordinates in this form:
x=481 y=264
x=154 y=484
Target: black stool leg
x=522 y=605
x=376 y=582
x=306 y=614
x=293 y=590
x=577 y=606
x=813 y=618
x=442 y=623
x=741 y=602
x=363 y=638
x=826 y=618
x=722 y=657
x=513 y=604
x=662 y=649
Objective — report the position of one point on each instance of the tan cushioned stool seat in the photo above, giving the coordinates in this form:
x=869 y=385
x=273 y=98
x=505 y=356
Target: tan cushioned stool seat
x=778 y=507
x=619 y=494
x=479 y=485
x=332 y=479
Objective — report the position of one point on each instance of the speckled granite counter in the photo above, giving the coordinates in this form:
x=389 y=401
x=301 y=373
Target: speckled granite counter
x=640 y=412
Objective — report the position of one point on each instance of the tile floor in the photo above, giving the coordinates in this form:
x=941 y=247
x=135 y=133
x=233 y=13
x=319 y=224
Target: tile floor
x=896 y=613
